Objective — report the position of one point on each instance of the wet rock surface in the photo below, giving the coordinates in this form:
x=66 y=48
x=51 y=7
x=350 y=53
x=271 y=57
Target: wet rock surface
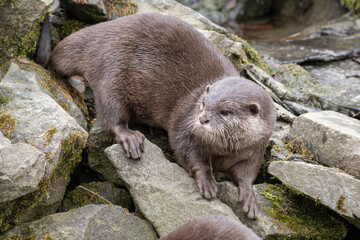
x=333 y=188
x=326 y=49
x=89 y=222
x=163 y=191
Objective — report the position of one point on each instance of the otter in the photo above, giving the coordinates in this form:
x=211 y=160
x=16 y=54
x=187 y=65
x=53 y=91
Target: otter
x=215 y=227
x=160 y=71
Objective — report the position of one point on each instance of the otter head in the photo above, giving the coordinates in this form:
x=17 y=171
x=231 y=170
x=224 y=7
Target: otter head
x=229 y=115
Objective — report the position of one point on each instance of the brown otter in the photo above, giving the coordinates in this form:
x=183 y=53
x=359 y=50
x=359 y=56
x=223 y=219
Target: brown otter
x=160 y=71
x=211 y=228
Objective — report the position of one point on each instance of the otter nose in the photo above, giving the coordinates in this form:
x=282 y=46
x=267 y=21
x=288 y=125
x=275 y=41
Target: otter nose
x=203 y=120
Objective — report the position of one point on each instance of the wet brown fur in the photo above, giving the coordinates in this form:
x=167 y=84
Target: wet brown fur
x=211 y=228
x=154 y=69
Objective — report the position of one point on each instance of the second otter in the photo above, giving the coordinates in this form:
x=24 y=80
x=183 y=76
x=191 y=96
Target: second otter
x=160 y=71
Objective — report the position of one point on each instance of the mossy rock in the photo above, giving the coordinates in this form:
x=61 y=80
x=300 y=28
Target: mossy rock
x=301 y=214
x=20 y=23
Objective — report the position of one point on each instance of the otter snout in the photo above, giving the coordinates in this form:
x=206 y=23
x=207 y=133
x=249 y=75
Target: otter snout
x=204 y=120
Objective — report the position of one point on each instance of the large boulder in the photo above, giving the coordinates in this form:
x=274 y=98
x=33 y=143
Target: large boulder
x=333 y=188
x=20 y=26
x=332 y=137
x=91 y=222
x=163 y=191
x=28 y=115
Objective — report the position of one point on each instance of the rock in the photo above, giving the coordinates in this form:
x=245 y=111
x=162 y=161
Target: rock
x=28 y=115
x=339 y=82
x=80 y=197
x=92 y=11
x=324 y=49
x=20 y=26
x=91 y=222
x=4 y=142
x=175 y=9
x=284 y=214
x=332 y=137
x=297 y=108
x=284 y=114
x=265 y=226
x=98 y=161
x=22 y=167
x=163 y=191
x=333 y=188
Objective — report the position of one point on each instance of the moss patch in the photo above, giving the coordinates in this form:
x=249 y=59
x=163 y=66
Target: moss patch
x=302 y=215
x=7 y=125
x=297 y=146
x=49 y=135
x=353 y=5
x=120 y=8
x=71 y=26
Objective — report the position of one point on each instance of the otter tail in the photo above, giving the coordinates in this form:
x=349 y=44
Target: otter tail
x=43 y=48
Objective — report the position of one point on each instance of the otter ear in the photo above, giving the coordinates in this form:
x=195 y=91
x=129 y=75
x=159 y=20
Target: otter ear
x=207 y=89
x=254 y=108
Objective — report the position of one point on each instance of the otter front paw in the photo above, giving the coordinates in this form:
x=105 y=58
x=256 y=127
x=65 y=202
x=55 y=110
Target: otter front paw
x=132 y=142
x=247 y=197
x=207 y=184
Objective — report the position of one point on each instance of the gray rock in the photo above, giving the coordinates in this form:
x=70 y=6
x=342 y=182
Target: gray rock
x=98 y=161
x=297 y=108
x=175 y=9
x=22 y=167
x=332 y=137
x=164 y=192
x=91 y=222
x=32 y=116
x=4 y=142
x=90 y=11
x=333 y=188
x=265 y=226
x=339 y=82
x=284 y=114
x=17 y=19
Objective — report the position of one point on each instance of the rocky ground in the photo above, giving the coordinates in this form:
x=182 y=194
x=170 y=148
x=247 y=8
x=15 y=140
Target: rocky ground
x=61 y=177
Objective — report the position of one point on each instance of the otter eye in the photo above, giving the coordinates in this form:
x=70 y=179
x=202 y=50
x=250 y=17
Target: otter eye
x=225 y=112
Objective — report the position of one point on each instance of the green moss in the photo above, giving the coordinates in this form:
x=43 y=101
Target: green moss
x=120 y=8
x=7 y=125
x=70 y=27
x=353 y=5
x=301 y=214
x=49 y=135
x=340 y=204
x=297 y=146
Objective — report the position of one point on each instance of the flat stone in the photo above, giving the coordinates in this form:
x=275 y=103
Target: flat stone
x=91 y=222
x=22 y=167
x=333 y=188
x=163 y=191
x=332 y=137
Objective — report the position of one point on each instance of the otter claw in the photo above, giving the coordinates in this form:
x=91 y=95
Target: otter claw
x=132 y=142
x=207 y=185
x=247 y=197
